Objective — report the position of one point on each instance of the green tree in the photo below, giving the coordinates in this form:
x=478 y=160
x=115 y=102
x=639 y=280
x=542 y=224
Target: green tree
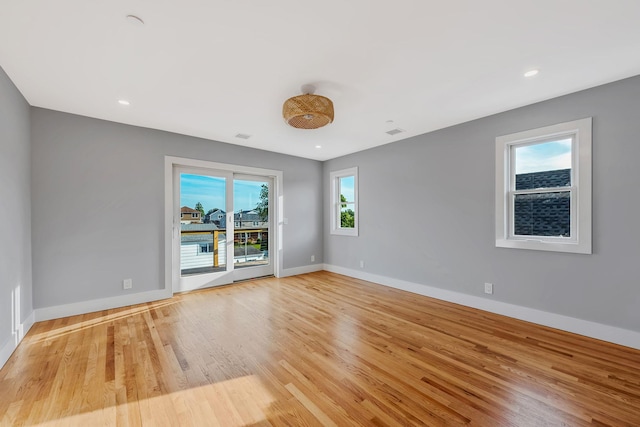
x=200 y=209
x=263 y=205
x=348 y=217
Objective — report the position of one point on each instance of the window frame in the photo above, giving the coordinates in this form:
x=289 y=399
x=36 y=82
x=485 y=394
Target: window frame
x=580 y=132
x=336 y=203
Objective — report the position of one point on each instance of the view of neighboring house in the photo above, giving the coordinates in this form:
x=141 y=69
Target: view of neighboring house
x=249 y=219
x=242 y=219
x=202 y=245
x=190 y=216
x=203 y=240
x=255 y=226
x=217 y=217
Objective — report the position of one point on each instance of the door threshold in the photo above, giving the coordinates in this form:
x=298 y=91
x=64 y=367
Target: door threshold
x=254 y=278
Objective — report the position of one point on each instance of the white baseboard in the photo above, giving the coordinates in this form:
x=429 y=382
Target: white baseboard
x=570 y=324
x=8 y=348
x=286 y=272
x=83 y=307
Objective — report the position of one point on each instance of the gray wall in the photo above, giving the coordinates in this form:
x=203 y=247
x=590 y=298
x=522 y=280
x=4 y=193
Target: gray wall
x=427 y=212
x=90 y=176
x=15 y=207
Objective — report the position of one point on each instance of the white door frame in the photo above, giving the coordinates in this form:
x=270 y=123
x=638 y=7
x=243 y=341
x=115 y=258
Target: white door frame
x=172 y=231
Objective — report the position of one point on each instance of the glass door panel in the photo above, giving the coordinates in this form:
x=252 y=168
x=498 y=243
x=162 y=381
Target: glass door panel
x=202 y=224
x=205 y=255
x=251 y=199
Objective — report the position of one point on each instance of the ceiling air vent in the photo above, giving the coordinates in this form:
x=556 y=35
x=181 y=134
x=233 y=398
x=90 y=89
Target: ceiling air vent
x=395 y=131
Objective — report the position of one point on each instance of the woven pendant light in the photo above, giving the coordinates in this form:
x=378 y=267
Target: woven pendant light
x=308 y=111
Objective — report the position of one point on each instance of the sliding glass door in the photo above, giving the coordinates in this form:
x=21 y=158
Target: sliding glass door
x=224 y=226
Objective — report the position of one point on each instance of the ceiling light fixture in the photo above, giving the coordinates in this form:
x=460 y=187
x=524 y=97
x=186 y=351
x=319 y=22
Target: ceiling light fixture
x=318 y=146
x=123 y=102
x=308 y=111
x=531 y=73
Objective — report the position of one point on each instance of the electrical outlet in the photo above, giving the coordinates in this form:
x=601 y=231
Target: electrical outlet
x=488 y=288
x=313 y=258
x=361 y=264
x=127 y=284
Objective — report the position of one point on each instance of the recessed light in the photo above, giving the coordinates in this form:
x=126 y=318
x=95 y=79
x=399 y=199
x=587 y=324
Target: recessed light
x=531 y=73
x=243 y=136
x=123 y=102
x=318 y=146
x=389 y=121
x=135 y=20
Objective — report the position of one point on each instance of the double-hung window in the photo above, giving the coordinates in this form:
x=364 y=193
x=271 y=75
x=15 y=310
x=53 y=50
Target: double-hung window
x=344 y=202
x=543 y=188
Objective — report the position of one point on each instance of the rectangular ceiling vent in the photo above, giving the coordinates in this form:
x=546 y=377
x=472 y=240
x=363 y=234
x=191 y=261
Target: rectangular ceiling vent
x=243 y=136
x=395 y=131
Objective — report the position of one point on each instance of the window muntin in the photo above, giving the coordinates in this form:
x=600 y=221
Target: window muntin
x=344 y=202
x=543 y=188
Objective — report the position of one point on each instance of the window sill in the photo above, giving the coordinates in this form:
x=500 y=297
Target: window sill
x=539 y=245
x=345 y=232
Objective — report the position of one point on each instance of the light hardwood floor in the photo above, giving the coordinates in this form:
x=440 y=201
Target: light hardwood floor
x=316 y=349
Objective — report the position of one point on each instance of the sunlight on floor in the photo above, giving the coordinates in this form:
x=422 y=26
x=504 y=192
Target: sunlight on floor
x=100 y=319
x=242 y=401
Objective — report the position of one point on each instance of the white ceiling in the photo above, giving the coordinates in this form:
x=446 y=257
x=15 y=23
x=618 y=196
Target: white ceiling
x=216 y=68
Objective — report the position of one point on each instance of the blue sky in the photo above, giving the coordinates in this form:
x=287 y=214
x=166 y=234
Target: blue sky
x=210 y=191
x=547 y=156
x=346 y=187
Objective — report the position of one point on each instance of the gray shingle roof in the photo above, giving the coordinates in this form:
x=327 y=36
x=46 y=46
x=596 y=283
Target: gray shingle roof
x=198 y=227
x=246 y=216
x=546 y=179
x=545 y=214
